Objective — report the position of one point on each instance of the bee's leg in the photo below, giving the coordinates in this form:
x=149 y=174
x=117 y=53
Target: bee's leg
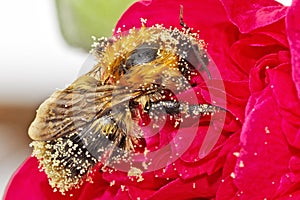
x=168 y=107
x=175 y=108
x=199 y=109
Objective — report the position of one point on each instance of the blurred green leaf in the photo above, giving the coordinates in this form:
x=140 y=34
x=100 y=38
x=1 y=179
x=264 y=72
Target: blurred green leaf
x=81 y=19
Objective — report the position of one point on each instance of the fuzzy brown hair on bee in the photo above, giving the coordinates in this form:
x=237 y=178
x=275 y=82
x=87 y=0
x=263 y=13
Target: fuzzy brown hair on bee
x=96 y=118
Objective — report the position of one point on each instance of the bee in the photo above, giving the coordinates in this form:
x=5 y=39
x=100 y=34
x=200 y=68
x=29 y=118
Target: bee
x=97 y=118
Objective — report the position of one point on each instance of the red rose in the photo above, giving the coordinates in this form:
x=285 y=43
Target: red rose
x=255 y=49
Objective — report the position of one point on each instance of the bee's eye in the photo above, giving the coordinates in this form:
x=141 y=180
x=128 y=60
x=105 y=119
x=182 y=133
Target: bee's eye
x=142 y=54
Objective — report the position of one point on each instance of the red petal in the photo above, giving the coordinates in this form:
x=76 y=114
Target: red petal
x=293 y=33
x=260 y=138
x=167 y=13
x=227 y=188
x=202 y=187
x=29 y=183
x=250 y=15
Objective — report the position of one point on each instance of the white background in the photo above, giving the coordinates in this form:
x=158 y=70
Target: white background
x=34 y=61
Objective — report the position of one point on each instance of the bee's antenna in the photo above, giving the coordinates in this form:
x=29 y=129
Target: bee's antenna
x=181 y=18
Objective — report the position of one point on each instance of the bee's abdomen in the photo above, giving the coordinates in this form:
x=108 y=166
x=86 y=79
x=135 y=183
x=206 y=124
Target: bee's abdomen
x=69 y=159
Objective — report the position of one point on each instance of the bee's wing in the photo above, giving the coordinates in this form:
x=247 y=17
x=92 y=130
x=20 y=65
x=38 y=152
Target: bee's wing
x=70 y=110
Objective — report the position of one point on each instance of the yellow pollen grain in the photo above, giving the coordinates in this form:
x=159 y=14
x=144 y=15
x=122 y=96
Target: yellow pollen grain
x=267 y=130
x=194 y=185
x=236 y=154
x=112 y=183
x=241 y=164
x=232 y=175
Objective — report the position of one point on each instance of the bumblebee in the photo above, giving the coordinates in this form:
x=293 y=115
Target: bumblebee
x=97 y=118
